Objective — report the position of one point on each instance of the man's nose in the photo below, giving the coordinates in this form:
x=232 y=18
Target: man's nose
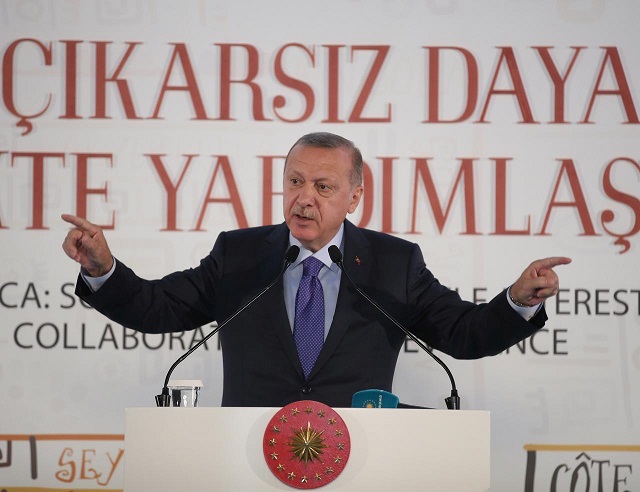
x=307 y=194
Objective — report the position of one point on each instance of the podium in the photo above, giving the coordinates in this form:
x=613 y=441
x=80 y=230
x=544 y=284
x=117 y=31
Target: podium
x=220 y=448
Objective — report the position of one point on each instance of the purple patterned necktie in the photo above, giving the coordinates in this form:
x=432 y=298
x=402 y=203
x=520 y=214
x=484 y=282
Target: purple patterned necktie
x=308 y=328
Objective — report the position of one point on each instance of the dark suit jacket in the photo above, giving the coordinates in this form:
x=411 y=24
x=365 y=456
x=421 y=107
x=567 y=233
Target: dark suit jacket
x=261 y=365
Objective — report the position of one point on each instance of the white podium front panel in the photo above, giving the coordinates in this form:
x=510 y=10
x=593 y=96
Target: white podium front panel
x=205 y=449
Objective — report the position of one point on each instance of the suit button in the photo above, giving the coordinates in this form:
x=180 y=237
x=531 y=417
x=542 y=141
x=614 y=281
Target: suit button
x=306 y=390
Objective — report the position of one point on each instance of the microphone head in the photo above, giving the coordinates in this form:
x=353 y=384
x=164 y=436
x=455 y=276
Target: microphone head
x=335 y=254
x=374 y=398
x=292 y=254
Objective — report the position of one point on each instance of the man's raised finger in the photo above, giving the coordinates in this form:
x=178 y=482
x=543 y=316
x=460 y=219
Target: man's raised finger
x=80 y=223
x=551 y=262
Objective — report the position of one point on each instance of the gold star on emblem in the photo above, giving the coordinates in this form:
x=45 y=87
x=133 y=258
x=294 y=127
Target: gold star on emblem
x=274 y=456
x=329 y=470
x=320 y=414
x=276 y=428
x=283 y=419
x=337 y=459
x=280 y=467
x=309 y=410
x=318 y=477
x=341 y=446
x=272 y=441
x=338 y=432
x=307 y=444
x=295 y=411
x=332 y=421
x=303 y=479
x=291 y=476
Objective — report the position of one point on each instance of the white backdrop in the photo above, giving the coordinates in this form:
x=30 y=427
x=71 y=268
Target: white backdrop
x=495 y=133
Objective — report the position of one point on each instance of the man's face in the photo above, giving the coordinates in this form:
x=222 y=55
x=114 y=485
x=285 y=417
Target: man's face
x=318 y=193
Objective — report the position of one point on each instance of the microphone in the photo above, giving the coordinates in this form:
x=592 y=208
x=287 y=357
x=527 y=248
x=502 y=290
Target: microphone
x=453 y=401
x=164 y=399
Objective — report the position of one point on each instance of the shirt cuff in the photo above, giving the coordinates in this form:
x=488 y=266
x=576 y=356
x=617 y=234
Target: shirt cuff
x=94 y=283
x=526 y=312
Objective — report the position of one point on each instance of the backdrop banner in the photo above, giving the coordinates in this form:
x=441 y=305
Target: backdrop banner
x=494 y=133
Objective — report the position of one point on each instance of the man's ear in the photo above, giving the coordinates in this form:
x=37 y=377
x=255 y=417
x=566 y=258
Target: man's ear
x=356 y=194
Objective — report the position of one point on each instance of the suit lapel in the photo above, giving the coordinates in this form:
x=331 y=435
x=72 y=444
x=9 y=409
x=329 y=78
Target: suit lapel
x=271 y=257
x=357 y=261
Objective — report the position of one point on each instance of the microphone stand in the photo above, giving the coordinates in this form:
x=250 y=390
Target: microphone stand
x=164 y=398
x=453 y=401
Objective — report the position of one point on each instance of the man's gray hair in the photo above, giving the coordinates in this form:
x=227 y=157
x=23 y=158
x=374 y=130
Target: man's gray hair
x=327 y=140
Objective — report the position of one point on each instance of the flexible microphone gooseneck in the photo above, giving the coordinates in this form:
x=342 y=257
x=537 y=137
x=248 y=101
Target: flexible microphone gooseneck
x=453 y=402
x=164 y=399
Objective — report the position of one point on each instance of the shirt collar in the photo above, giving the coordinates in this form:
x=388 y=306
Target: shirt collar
x=322 y=254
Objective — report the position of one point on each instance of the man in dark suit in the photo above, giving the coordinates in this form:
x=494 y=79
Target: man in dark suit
x=280 y=349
